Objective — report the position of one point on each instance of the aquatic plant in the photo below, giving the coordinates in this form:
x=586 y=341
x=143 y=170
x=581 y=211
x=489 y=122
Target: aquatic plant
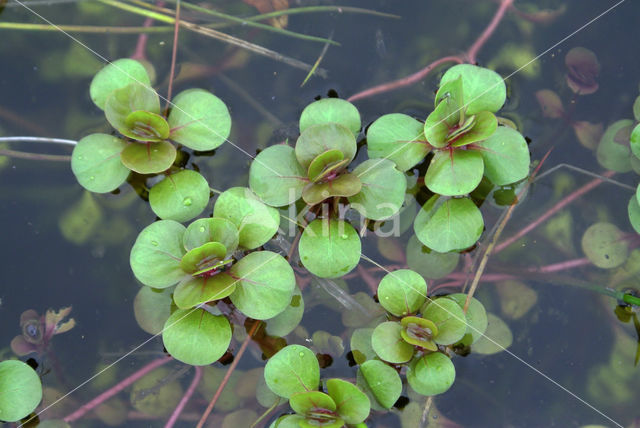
x=198 y=120
x=463 y=135
x=316 y=169
x=205 y=262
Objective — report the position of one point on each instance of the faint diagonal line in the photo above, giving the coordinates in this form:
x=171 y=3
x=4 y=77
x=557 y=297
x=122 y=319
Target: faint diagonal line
x=146 y=86
x=546 y=51
x=361 y=254
x=482 y=333
x=135 y=348
x=435 y=301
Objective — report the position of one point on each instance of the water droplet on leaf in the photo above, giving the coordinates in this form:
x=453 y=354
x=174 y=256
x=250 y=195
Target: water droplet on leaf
x=187 y=202
x=154 y=243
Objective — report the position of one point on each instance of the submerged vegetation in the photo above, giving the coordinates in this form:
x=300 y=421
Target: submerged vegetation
x=294 y=230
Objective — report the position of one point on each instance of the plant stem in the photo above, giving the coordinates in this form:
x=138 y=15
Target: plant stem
x=251 y=23
x=185 y=398
x=557 y=207
x=232 y=367
x=468 y=56
x=472 y=52
x=174 y=53
x=405 y=81
x=498 y=232
x=260 y=50
x=115 y=389
x=84 y=28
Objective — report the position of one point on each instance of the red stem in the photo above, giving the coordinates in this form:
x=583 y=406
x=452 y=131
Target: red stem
x=405 y=81
x=115 y=389
x=141 y=44
x=232 y=367
x=557 y=207
x=468 y=56
x=174 y=53
x=472 y=52
x=185 y=398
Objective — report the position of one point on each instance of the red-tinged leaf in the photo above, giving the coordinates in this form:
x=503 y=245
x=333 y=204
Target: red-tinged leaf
x=582 y=70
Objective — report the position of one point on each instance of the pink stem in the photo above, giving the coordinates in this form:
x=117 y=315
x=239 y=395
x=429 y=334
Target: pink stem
x=141 y=45
x=557 y=207
x=492 y=277
x=185 y=398
x=555 y=267
x=486 y=34
x=405 y=81
x=470 y=57
x=115 y=389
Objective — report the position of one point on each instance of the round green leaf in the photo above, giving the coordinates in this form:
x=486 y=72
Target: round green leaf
x=265 y=284
x=360 y=343
x=448 y=316
x=215 y=229
x=399 y=138
x=287 y=320
x=196 y=337
x=149 y=158
x=116 y=75
x=431 y=374
x=634 y=213
x=476 y=317
x=380 y=382
x=483 y=89
x=21 y=390
x=452 y=225
x=180 y=197
x=292 y=370
x=402 y=292
x=604 y=245
x=506 y=156
x=199 y=120
x=276 y=176
x=331 y=110
x=256 y=222
x=311 y=401
x=96 y=163
x=194 y=291
x=498 y=337
x=345 y=185
x=383 y=189
x=124 y=102
x=317 y=139
x=146 y=126
x=613 y=150
x=151 y=308
x=389 y=345
x=635 y=137
x=329 y=248
x=429 y=263
x=290 y=421
x=454 y=172
x=353 y=405
x=156 y=254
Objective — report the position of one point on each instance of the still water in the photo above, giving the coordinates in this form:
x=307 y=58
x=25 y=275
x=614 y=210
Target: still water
x=566 y=343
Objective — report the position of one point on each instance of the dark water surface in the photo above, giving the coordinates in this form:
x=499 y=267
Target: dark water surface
x=563 y=348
